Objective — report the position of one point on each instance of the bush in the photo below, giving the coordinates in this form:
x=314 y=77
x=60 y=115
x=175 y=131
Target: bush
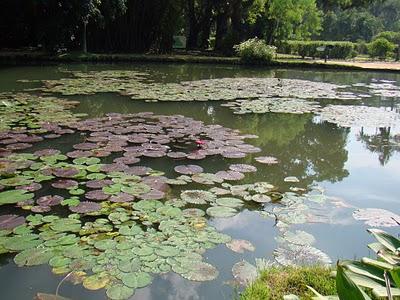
x=362 y=47
x=335 y=50
x=255 y=51
x=381 y=48
x=391 y=36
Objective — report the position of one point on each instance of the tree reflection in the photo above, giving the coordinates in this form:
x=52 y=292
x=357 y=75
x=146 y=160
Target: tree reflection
x=311 y=151
x=382 y=142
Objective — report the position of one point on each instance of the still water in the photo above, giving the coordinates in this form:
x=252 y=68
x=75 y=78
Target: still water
x=357 y=165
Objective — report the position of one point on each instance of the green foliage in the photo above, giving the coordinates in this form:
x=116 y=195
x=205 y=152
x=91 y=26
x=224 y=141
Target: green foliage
x=391 y=36
x=274 y=283
x=336 y=50
x=279 y=20
x=381 y=48
x=255 y=50
x=351 y=25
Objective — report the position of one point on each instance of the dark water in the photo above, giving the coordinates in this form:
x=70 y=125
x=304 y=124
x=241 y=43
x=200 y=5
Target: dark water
x=341 y=160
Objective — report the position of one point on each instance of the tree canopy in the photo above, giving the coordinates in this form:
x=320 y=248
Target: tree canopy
x=142 y=26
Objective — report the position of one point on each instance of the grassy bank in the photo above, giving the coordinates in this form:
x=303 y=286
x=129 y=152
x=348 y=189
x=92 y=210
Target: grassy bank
x=27 y=57
x=275 y=283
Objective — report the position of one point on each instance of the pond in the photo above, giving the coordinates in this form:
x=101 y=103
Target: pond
x=315 y=149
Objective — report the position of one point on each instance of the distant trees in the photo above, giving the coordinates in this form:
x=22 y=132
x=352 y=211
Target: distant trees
x=142 y=26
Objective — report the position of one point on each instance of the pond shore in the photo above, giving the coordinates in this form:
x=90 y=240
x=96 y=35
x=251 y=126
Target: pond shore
x=27 y=57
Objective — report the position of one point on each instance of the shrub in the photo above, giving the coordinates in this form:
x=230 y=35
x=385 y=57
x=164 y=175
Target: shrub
x=381 y=48
x=362 y=47
x=391 y=36
x=336 y=50
x=255 y=51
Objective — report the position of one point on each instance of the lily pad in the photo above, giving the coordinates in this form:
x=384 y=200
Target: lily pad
x=86 y=207
x=206 y=178
x=268 y=160
x=14 y=196
x=239 y=246
x=230 y=175
x=11 y=221
x=119 y=292
x=33 y=257
x=301 y=255
x=244 y=272
x=377 y=217
x=188 y=169
x=229 y=202
x=201 y=271
x=198 y=196
x=49 y=200
x=221 y=212
x=243 y=168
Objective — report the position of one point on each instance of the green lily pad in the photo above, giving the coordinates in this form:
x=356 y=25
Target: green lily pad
x=14 y=196
x=33 y=257
x=201 y=271
x=21 y=242
x=229 y=202
x=167 y=251
x=59 y=261
x=119 y=292
x=221 y=212
x=16 y=181
x=130 y=265
x=105 y=245
x=198 y=196
x=136 y=280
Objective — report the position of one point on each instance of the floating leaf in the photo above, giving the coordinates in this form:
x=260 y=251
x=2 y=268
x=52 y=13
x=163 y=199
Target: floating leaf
x=229 y=202
x=200 y=271
x=119 y=292
x=299 y=237
x=376 y=217
x=221 y=212
x=243 y=168
x=301 y=255
x=206 y=178
x=96 y=281
x=49 y=200
x=86 y=207
x=268 y=160
x=230 y=175
x=33 y=257
x=136 y=280
x=198 y=196
x=244 y=272
x=240 y=246
x=14 y=196
x=188 y=169
x=11 y=221
x=291 y=179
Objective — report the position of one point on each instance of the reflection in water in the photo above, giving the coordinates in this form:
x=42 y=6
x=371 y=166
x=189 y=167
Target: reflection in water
x=311 y=151
x=314 y=152
x=382 y=142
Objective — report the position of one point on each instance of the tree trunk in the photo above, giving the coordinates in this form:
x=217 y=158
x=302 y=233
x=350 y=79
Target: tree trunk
x=205 y=25
x=84 y=39
x=236 y=21
x=221 y=30
x=193 y=25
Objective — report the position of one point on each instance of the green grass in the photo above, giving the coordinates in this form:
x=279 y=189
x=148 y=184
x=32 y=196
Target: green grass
x=275 y=283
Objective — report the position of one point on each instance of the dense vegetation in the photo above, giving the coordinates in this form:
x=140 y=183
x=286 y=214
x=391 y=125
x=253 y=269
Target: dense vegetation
x=142 y=26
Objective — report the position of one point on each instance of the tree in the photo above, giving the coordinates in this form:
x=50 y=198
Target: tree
x=280 y=20
x=350 y=25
